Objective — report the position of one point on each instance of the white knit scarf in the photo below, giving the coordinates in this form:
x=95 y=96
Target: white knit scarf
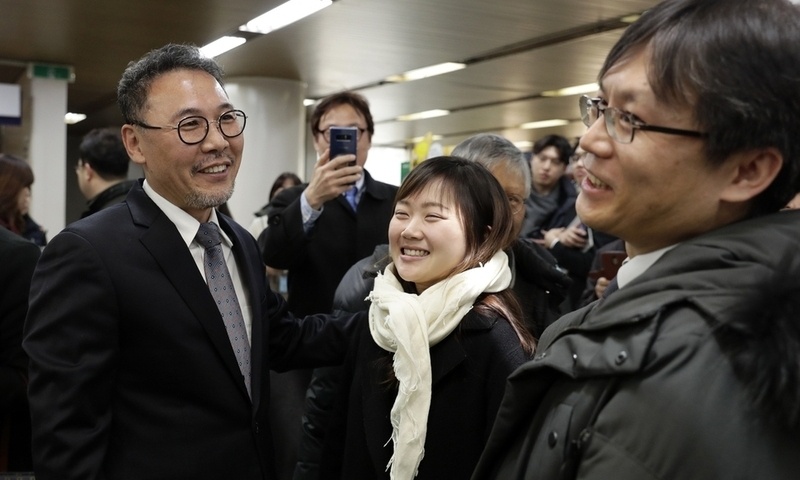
x=408 y=325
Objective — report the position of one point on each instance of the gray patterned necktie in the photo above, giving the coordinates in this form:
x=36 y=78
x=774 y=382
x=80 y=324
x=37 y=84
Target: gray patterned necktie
x=220 y=285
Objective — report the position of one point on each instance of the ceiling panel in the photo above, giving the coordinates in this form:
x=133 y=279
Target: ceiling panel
x=515 y=50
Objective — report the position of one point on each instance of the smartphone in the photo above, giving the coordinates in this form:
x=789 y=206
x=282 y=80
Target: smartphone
x=610 y=262
x=343 y=142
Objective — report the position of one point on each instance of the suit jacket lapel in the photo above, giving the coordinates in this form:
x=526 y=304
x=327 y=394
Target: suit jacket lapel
x=162 y=240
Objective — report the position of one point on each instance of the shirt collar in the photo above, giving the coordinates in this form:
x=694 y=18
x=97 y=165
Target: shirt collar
x=186 y=224
x=633 y=267
x=360 y=183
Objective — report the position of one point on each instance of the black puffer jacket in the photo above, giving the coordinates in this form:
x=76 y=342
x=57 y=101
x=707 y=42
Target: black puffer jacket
x=691 y=371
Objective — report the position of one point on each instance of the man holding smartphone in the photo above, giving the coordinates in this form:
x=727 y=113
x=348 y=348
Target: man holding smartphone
x=316 y=234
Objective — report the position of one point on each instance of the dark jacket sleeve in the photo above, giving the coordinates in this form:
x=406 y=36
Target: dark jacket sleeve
x=325 y=385
x=72 y=341
x=284 y=242
x=18 y=259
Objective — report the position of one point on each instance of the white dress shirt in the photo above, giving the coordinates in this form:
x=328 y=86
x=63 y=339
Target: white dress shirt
x=187 y=227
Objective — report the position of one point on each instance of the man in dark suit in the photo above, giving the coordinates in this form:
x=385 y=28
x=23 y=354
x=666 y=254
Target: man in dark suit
x=133 y=373
x=317 y=235
x=18 y=258
x=313 y=230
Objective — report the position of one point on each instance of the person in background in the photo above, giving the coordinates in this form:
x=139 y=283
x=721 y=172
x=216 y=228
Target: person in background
x=691 y=368
x=151 y=328
x=278 y=280
x=444 y=331
x=316 y=233
x=284 y=181
x=562 y=233
x=102 y=169
x=537 y=280
x=576 y=169
x=16 y=178
x=551 y=202
x=18 y=258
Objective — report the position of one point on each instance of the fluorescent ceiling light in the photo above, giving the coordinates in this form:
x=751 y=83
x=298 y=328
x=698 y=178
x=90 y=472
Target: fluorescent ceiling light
x=426 y=72
x=221 y=45
x=556 y=122
x=576 y=90
x=432 y=138
x=73 y=118
x=523 y=145
x=283 y=15
x=307 y=102
x=422 y=115
x=633 y=18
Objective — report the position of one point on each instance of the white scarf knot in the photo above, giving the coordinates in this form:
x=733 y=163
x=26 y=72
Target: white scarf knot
x=408 y=325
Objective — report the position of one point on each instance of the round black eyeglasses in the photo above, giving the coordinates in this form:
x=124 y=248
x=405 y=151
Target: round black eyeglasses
x=193 y=130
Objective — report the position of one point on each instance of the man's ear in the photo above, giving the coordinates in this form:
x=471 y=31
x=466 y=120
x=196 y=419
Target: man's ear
x=753 y=171
x=130 y=139
x=88 y=171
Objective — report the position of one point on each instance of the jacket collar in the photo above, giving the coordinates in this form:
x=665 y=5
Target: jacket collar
x=161 y=238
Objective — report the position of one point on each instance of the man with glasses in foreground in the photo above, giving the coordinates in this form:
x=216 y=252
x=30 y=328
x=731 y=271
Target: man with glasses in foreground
x=690 y=369
x=151 y=329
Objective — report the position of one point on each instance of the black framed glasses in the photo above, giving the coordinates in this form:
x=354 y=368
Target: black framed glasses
x=193 y=130
x=326 y=134
x=621 y=125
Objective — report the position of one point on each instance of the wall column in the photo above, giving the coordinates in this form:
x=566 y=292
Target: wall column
x=47 y=152
x=274 y=138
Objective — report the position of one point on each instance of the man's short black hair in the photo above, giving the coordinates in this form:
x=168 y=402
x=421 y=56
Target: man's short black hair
x=355 y=100
x=560 y=143
x=102 y=148
x=139 y=75
x=736 y=65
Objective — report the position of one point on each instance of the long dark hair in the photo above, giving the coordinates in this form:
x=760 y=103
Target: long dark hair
x=15 y=175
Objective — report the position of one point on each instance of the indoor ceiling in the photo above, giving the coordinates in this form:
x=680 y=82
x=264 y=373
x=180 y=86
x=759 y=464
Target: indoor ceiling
x=514 y=51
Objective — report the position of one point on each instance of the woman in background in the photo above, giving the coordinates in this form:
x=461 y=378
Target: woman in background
x=276 y=277
x=16 y=178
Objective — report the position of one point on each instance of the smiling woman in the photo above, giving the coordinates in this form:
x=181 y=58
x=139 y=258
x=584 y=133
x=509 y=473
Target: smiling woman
x=444 y=331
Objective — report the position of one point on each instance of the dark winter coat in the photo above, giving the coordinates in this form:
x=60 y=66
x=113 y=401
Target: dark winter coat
x=469 y=370
x=691 y=371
